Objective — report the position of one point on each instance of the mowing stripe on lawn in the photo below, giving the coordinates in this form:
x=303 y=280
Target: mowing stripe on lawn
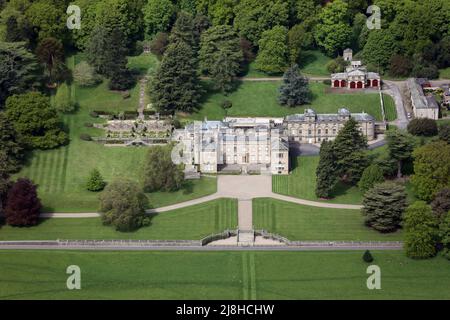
x=245 y=280
x=66 y=158
x=62 y=180
x=216 y=218
x=33 y=168
x=57 y=170
x=252 y=272
x=50 y=171
x=42 y=169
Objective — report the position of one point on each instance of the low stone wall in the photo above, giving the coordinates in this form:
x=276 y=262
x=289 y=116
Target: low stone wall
x=337 y=244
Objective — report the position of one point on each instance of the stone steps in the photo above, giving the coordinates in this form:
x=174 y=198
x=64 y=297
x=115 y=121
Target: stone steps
x=246 y=238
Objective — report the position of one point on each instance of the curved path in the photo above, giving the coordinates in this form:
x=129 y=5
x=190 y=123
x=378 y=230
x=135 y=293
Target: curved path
x=243 y=188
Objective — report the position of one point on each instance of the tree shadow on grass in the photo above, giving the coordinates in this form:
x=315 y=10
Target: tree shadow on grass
x=341 y=189
x=306 y=58
x=188 y=187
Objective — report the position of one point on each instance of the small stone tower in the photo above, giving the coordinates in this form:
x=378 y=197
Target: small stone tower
x=348 y=54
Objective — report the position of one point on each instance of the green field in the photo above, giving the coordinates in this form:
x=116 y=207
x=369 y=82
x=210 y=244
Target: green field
x=298 y=222
x=61 y=173
x=389 y=108
x=260 y=99
x=314 y=63
x=219 y=275
x=191 y=223
x=301 y=183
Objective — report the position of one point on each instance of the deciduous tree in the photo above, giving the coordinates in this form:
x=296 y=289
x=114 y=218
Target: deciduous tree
x=420 y=231
x=444 y=234
x=50 y=53
x=23 y=206
x=431 y=169
x=423 y=127
x=84 y=75
x=273 y=51
x=441 y=204
x=35 y=121
x=123 y=206
x=333 y=32
x=400 y=145
x=161 y=174
x=158 y=15
x=253 y=18
x=444 y=132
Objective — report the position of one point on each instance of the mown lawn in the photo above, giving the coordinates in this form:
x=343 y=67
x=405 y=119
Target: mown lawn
x=389 y=108
x=298 y=222
x=61 y=173
x=255 y=99
x=220 y=275
x=301 y=183
x=191 y=223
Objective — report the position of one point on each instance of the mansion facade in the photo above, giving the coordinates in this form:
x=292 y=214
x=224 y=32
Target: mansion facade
x=258 y=144
x=315 y=128
x=249 y=143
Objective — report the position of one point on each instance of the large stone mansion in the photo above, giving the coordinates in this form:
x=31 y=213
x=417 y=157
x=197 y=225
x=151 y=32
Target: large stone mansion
x=259 y=144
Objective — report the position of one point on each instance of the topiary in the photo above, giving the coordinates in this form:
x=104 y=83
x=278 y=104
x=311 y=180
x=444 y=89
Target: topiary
x=367 y=257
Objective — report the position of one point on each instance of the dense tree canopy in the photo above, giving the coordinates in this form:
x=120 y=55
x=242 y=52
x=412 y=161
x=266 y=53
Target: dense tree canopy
x=333 y=32
x=158 y=15
x=273 y=51
x=9 y=146
x=255 y=17
x=123 y=206
x=37 y=123
x=221 y=56
x=18 y=69
x=431 y=169
x=441 y=204
x=420 y=231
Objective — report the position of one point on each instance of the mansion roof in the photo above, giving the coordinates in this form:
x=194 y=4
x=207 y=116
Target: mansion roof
x=417 y=95
x=341 y=115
